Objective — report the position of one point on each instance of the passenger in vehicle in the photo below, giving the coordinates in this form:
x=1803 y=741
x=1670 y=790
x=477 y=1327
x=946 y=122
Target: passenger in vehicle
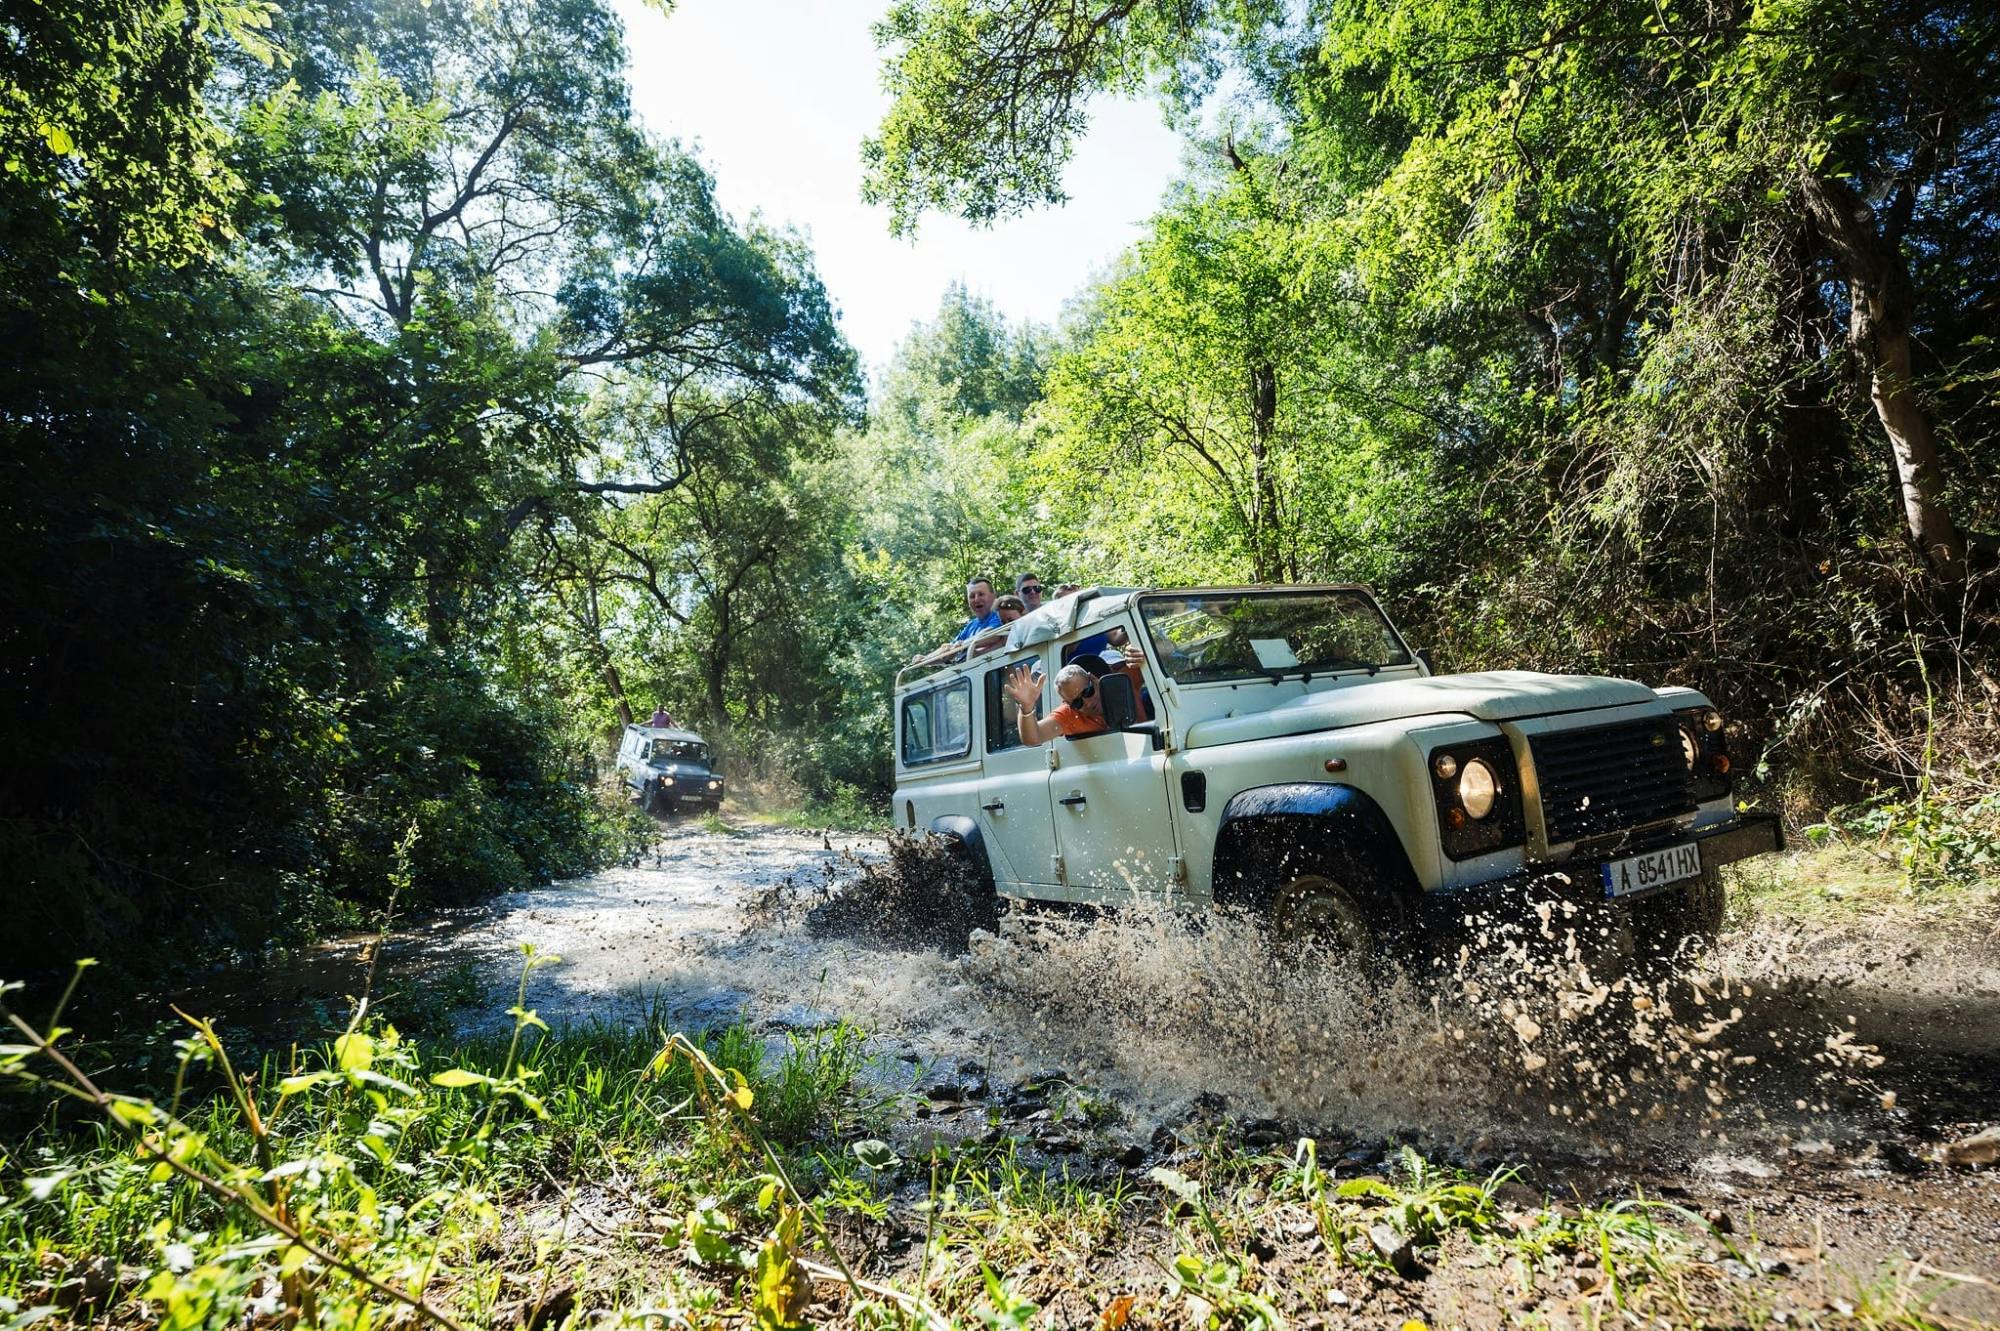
x=1082 y=710
x=661 y=719
x=1029 y=588
x=979 y=605
x=1009 y=608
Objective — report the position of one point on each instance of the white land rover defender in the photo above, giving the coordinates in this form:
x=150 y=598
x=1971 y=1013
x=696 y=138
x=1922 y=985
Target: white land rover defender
x=1286 y=752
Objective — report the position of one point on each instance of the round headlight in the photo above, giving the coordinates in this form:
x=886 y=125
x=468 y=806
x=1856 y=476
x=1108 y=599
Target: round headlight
x=1688 y=749
x=1478 y=788
x=1711 y=720
x=666 y=781
x=1445 y=766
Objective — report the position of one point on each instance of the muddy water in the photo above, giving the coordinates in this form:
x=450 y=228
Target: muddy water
x=1805 y=1073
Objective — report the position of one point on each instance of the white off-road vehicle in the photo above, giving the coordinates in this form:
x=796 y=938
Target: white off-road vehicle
x=1285 y=751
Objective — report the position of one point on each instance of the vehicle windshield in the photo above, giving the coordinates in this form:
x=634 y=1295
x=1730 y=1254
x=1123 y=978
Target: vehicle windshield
x=1273 y=635
x=679 y=751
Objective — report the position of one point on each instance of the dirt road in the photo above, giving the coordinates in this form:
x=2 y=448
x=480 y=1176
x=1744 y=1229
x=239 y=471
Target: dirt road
x=1804 y=1083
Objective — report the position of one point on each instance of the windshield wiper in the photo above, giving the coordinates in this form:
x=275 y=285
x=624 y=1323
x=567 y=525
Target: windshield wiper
x=1308 y=669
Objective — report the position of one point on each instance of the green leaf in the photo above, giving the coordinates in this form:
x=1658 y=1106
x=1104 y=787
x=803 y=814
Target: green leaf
x=875 y=1154
x=355 y=1051
x=1175 y=1182
x=305 y=1081
x=456 y=1077
x=138 y=1113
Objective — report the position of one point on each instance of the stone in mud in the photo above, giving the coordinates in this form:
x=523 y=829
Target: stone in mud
x=945 y=1089
x=802 y=1017
x=1129 y=1156
x=1396 y=1249
x=1981 y=1148
x=1209 y=1103
x=1263 y=1132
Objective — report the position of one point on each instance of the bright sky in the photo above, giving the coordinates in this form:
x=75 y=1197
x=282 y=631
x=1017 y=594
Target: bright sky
x=776 y=96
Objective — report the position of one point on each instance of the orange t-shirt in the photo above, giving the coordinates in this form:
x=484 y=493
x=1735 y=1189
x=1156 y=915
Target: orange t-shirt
x=1075 y=725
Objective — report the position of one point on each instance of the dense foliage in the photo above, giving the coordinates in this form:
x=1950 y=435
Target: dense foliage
x=313 y=318
x=1655 y=340
x=387 y=414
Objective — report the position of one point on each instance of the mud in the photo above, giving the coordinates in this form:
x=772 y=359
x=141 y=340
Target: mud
x=1805 y=1077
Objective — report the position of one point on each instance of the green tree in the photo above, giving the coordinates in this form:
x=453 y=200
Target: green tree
x=1589 y=173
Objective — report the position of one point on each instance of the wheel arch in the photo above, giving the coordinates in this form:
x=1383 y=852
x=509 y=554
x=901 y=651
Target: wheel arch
x=1305 y=822
x=971 y=842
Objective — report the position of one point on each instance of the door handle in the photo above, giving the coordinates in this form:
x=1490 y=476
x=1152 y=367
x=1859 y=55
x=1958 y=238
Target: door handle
x=995 y=807
x=1071 y=799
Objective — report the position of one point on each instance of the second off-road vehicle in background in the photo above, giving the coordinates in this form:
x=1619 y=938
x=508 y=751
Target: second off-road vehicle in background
x=668 y=769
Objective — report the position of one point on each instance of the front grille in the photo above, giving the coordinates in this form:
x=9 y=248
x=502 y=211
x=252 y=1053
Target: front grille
x=1610 y=778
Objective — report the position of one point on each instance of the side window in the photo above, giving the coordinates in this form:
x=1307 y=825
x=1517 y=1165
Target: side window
x=954 y=720
x=938 y=724
x=1003 y=723
x=917 y=728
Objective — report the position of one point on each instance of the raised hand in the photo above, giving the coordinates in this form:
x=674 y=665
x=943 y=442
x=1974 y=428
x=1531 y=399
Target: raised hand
x=1023 y=687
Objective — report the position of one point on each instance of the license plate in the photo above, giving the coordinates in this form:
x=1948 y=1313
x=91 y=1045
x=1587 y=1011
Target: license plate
x=1657 y=868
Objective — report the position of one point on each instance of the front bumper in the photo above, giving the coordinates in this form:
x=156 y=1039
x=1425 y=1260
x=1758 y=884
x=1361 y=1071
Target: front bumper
x=1578 y=879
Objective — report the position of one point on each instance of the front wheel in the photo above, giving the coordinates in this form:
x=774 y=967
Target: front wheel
x=1687 y=919
x=1316 y=914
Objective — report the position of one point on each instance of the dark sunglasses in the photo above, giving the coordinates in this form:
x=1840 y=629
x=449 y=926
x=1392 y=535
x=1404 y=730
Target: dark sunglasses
x=1089 y=691
x=1032 y=590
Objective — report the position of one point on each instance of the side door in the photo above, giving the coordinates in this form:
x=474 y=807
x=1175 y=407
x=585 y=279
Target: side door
x=1114 y=823
x=1015 y=814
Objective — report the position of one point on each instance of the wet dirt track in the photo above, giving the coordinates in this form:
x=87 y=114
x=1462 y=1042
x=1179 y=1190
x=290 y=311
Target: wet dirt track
x=1804 y=1090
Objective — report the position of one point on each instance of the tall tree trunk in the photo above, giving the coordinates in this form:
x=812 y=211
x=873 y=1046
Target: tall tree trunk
x=717 y=673
x=1264 y=542
x=616 y=683
x=1883 y=302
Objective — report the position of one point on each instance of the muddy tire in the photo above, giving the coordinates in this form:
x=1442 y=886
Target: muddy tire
x=970 y=900
x=1315 y=914
x=1669 y=927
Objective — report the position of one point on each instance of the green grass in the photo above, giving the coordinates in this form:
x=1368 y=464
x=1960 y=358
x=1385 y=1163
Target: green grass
x=1850 y=884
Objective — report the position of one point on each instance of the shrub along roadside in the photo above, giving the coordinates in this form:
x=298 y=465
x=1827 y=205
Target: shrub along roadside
x=291 y=810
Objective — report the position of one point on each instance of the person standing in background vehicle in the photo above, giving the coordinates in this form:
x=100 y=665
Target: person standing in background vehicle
x=979 y=605
x=661 y=720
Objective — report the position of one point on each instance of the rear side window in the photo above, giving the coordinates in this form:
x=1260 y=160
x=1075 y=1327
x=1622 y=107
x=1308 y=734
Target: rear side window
x=1003 y=718
x=937 y=723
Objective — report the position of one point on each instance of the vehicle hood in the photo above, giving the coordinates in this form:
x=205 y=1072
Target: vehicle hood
x=1494 y=695
x=678 y=769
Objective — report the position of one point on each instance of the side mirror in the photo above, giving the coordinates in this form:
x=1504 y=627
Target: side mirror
x=1430 y=667
x=1121 y=706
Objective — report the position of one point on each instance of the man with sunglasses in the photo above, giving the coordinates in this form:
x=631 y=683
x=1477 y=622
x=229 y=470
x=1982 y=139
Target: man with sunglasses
x=1082 y=710
x=1028 y=587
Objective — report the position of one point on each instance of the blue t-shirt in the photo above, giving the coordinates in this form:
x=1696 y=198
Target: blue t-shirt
x=990 y=620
